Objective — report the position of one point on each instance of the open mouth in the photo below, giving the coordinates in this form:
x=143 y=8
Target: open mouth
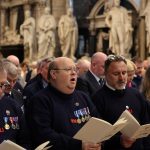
x=73 y=79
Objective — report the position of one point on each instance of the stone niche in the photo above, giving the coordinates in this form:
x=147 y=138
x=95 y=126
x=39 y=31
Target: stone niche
x=12 y=16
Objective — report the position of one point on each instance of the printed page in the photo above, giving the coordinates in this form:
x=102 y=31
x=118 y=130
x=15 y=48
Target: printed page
x=97 y=130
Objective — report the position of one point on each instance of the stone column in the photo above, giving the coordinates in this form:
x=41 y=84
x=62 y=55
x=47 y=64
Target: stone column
x=142 y=33
x=2 y=22
x=13 y=18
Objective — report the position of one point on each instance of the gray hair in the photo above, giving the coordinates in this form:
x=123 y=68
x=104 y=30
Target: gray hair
x=10 y=68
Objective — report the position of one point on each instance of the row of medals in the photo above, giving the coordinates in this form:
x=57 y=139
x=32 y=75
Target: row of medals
x=13 y=126
x=83 y=119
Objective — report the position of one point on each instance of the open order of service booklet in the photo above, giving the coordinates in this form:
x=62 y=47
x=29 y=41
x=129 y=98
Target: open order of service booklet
x=133 y=129
x=98 y=130
x=9 y=145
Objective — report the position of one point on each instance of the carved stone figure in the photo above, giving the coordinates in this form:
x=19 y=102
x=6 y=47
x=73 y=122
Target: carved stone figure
x=128 y=36
x=107 y=5
x=27 y=30
x=46 y=34
x=146 y=13
x=10 y=36
x=116 y=20
x=68 y=34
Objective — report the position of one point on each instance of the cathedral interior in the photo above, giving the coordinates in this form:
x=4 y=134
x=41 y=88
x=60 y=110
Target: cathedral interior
x=90 y=16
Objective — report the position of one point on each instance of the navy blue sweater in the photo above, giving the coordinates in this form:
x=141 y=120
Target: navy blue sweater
x=12 y=123
x=110 y=104
x=55 y=116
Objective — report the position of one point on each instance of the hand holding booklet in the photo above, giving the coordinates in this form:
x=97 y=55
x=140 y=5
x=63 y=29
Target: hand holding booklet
x=133 y=129
x=98 y=130
x=9 y=145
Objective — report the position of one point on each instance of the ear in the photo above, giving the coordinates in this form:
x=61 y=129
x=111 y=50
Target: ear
x=53 y=74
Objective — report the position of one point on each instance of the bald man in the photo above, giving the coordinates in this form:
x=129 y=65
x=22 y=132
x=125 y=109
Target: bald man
x=55 y=110
x=83 y=66
x=93 y=79
x=14 y=59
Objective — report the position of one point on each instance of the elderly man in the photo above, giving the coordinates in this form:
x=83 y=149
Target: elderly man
x=59 y=111
x=83 y=66
x=12 y=124
x=93 y=79
x=114 y=97
x=20 y=81
x=12 y=76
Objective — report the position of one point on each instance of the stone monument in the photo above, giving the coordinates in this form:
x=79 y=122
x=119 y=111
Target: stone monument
x=46 y=34
x=68 y=34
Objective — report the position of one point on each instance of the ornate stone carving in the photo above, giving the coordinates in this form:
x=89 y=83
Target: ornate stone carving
x=27 y=30
x=117 y=20
x=68 y=34
x=46 y=34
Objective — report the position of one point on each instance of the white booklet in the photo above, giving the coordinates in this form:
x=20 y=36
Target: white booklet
x=133 y=129
x=97 y=130
x=9 y=145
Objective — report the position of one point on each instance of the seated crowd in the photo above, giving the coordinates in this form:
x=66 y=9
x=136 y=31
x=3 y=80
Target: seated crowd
x=51 y=100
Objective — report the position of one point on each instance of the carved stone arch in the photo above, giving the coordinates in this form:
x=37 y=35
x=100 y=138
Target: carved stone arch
x=97 y=18
x=100 y=3
x=133 y=3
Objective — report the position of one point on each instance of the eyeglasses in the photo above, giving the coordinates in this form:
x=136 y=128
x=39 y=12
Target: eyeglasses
x=3 y=85
x=71 y=69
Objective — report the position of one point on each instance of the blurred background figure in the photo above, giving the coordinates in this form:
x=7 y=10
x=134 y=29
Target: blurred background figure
x=146 y=64
x=93 y=79
x=131 y=68
x=83 y=66
x=37 y=83
x=145 y=86
x=139 y=71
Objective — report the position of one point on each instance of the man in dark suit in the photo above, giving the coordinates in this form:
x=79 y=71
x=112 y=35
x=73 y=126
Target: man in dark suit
x=93 y=79
x=36 y=84
x=12 y=76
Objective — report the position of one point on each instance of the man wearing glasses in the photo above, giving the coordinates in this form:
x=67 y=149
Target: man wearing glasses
x=12 y=76
x=12 y=125
x=59 y=111
x=114 y=97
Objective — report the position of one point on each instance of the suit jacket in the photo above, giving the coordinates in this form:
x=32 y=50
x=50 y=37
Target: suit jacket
x=88 y=84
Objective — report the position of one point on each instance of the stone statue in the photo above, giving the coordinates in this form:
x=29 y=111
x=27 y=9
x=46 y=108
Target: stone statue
x=146 y=13
x=128 y=36
x=46 y=34
x=10 y=36
x=68 y=34
x=107 y=5
x=27 y=30
x=116 y=20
